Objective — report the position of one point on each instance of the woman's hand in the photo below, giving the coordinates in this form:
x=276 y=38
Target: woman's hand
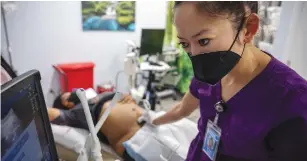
x=147 y=117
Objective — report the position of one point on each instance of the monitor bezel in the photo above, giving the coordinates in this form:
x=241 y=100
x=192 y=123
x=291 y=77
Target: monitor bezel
x=14 y=83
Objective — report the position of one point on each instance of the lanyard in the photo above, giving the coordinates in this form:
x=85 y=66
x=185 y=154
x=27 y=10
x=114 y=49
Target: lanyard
x=219 y=108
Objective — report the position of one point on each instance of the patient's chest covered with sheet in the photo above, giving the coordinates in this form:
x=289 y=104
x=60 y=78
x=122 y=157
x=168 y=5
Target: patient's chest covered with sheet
x=166 y=142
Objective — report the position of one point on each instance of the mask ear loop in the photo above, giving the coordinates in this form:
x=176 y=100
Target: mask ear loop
x=243 y=50
x=239 y=29
x=244 y=42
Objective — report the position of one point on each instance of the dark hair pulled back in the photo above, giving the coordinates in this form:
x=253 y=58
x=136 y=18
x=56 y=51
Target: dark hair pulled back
x=235 y=9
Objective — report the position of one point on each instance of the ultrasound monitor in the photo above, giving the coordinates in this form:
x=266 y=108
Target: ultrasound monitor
x=152 y=41
x=25 y=128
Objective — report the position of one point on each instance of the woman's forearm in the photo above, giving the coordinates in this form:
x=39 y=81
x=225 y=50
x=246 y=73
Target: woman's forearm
x=173 y=115
x=182 y=109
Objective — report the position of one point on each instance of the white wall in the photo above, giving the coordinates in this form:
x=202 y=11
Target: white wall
x=290 y=45
x=47 y=33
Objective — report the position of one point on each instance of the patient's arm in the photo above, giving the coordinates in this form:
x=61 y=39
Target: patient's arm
x=53 y=113
x=74 y=117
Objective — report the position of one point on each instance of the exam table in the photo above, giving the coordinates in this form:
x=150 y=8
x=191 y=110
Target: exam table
x=69 y=140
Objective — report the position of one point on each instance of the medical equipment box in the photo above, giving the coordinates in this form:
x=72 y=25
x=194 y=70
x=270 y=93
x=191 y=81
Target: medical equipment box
x=77 y=75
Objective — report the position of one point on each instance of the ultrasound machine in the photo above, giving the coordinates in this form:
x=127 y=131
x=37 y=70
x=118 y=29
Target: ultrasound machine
x=25 y=128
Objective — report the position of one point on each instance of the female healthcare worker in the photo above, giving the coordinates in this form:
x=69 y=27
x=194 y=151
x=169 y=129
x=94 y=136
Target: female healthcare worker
x=252 y=106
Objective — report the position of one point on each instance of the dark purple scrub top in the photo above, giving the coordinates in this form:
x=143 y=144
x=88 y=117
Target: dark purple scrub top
x=265 y=121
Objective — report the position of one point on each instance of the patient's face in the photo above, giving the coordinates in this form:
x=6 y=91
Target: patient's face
x=65 y=101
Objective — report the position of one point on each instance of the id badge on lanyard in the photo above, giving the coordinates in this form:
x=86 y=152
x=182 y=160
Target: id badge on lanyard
x=213 y=133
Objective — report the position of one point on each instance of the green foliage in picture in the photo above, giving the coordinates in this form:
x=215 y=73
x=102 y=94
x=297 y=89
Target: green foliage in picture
x=185 y=68
x=125 y=12
x=92 y=8
x=169 y=29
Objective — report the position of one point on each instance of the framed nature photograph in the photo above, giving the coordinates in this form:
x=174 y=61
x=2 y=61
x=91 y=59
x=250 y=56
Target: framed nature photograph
x=108 y=15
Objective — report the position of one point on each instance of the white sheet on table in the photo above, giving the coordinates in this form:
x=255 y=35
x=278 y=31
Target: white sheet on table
x=172 y=141
x=75 y=138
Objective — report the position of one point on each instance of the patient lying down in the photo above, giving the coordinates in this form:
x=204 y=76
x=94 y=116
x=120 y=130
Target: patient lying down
x=119 y=127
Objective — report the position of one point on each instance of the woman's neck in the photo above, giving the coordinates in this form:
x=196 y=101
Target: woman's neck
x=252 y=62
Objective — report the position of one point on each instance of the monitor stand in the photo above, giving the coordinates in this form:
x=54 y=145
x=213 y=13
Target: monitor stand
x=152 y=68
